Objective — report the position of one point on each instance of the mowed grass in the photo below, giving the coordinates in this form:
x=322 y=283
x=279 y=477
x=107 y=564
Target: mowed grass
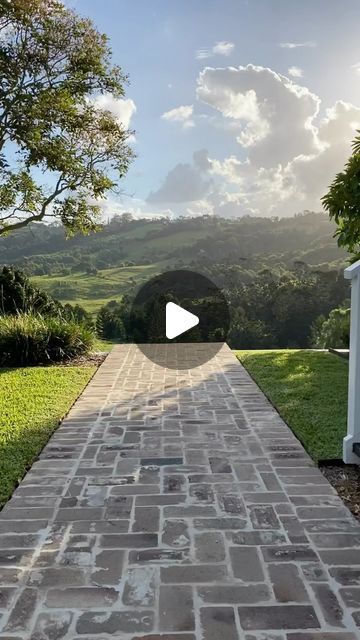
x=32 y=402
x=309 y=390
x=94 y=291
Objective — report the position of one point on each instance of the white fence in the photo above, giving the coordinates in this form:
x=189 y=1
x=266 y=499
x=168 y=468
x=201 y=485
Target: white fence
x=353 y=434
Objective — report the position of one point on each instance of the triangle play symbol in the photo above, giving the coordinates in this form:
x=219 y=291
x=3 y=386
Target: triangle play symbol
x=178 y=320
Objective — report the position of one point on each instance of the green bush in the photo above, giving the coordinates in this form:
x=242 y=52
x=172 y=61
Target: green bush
x=19 y=295
x=28 y=339
x=333 y=331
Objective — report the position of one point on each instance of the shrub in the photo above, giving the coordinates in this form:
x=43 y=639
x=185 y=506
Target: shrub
x=333 y=331
x=18 y=294
x=109 y=324
x=28 y=339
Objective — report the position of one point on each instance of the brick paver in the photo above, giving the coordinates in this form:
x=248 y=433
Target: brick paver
x=177 y=505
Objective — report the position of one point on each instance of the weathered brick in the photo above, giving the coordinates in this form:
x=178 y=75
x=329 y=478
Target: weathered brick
x=106 y=622
x=158 y=556
x=129 y=540
x=234 y=594
x=209 y=547
x=332 y=611
x=194 y=573
x=52 y=626
x=175 y=533
x=176 y=608
x=81 y=597
x=218 y=622
x=278 y=617
x=219 y=524
x=264 y=517
x=341 y=557
x=108 y=567
x=289 y=553
x=139 y=587
x=22 y=611
x=287 y=583
x=146 y=519
x=246 y=564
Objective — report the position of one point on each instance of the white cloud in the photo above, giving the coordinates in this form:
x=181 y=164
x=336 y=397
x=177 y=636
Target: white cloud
x=222 y=48
x=126 y=204
x=267 y=107
x=182 y=114
x=356 y=67
x=295 y=72
x=297 y=45
x=289 y=151
x=123 y=109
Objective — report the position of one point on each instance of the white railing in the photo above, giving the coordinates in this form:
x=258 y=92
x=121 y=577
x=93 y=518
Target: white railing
x=353 y=430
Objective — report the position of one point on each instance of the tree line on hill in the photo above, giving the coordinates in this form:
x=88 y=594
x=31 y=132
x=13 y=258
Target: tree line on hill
x=250 y=243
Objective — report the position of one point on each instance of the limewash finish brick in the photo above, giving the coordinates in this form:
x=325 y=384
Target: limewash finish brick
x=176 y=505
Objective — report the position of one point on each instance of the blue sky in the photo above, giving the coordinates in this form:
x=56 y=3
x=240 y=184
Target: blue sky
x=267 y=137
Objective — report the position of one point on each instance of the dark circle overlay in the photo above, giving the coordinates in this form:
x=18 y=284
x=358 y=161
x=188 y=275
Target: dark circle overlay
x=193 y=292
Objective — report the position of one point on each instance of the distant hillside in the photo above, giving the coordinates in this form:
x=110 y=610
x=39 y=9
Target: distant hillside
x=103 y=266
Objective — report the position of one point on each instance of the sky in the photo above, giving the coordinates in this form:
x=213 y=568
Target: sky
x=239 y=107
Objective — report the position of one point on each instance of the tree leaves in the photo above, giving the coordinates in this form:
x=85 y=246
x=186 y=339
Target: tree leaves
x=342 y=202
x=53 y=64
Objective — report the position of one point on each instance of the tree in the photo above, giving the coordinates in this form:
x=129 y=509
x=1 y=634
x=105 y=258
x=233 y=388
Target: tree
x=18 y=295
x=333 y=331
x=342 y=202
x=53 y=66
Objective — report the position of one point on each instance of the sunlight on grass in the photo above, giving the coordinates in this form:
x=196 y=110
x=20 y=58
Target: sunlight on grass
x=32 y=402
x=309 y=389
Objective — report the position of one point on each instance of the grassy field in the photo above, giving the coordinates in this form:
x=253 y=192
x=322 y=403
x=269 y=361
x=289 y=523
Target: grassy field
x=309 y=390
x=32 y=401
x=93 y=291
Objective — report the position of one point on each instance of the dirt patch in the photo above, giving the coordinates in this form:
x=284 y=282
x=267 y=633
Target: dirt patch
x=92 y=359
x=346 y=480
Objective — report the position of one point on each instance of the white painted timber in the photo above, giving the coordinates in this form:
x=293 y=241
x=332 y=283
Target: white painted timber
x=353 y=429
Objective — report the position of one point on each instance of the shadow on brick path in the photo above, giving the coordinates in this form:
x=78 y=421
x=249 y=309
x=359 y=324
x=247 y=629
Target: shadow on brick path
x=177 y=505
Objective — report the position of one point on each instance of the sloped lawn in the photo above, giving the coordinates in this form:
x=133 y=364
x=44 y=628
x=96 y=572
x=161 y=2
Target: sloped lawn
x=309 y=390
x=32 y=402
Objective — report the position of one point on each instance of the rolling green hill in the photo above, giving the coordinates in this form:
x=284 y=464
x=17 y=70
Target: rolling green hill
x=100 y=267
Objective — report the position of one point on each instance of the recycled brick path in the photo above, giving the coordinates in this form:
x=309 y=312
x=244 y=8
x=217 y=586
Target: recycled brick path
x=177 y=505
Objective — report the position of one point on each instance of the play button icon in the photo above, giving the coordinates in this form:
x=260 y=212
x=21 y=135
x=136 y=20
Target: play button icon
x=178 y=320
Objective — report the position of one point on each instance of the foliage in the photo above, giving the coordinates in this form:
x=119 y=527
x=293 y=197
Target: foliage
x=18 y=294
x=333 y=331
x=272 y=311
x=32 y=402
x=28 y=339
x=302 y=385
x=243 y=245
x=109 y=324
x=77 y=314
x=53 y=65
x=342 y=202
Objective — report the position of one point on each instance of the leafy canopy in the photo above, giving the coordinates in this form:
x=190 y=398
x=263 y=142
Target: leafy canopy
x=59 y=153
x=342 y=202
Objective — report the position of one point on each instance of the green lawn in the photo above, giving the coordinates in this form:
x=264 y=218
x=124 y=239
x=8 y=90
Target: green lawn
x=104 y=345
x=32 y=401
x=309 y=390
x=94 y=291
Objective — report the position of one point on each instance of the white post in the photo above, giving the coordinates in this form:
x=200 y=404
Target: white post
x=353 y=433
